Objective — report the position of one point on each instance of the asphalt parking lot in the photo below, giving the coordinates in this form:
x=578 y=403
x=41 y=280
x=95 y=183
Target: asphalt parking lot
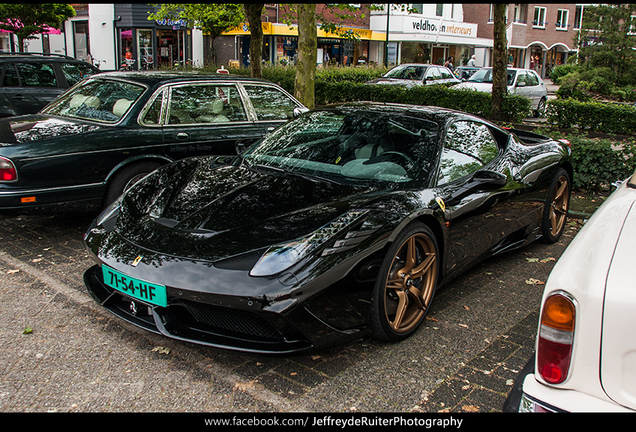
x=60 y=352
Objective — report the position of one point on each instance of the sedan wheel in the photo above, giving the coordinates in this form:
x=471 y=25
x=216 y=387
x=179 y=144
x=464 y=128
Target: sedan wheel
x=556 y=207
x=126 y=178
x=540 y=109
x=405 y=285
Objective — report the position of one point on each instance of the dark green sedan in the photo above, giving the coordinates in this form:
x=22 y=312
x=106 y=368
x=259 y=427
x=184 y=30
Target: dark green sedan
x=110 y=130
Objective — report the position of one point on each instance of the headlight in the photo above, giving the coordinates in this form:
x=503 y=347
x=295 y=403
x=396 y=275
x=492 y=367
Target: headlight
x=281 y=257
x=110 y=211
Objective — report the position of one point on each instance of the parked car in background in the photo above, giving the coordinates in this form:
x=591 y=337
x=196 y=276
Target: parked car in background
x=524 y=82
x=585 y=357
x=113 y=128
x=415 y=74
x=343 y=222
x=463 y=73
x=28 y=82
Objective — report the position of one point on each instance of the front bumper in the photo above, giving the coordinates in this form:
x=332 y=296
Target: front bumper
x=188 y=320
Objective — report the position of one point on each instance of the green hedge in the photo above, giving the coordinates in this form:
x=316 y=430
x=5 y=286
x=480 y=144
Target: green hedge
x=592 y=116
x=599 y=163
x=473 y=102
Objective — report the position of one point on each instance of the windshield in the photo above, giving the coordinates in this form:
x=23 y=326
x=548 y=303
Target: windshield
x=406 y=72
x=355 y=147
x=102 y=100
x=485 y=76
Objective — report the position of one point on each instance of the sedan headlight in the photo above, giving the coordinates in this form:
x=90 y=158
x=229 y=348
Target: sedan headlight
x=280 y=257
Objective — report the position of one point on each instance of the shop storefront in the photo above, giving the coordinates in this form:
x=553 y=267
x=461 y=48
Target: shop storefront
x=280 y=46
x=420 y=39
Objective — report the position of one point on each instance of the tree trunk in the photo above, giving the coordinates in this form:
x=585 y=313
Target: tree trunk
x=253 y=12
x=304 y=85
x=499 y=61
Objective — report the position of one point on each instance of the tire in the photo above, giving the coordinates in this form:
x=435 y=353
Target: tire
x=404 y=291
x=127 y=177
x=556 y=207
x=540 y=109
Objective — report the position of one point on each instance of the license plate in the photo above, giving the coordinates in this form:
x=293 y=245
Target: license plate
x=141 y=290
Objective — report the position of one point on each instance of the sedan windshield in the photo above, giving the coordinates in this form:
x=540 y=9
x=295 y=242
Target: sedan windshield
x=102 y=100
x=351 y=147
x=406 y=72
x=485 y=76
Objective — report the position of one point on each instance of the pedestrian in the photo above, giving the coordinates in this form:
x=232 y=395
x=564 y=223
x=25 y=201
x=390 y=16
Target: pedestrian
x=471 y=62
x=449 y=63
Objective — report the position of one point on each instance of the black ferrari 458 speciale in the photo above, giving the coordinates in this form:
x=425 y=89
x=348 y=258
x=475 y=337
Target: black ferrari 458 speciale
x=342 y=222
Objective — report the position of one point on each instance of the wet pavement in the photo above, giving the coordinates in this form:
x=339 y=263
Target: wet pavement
x=60 y=352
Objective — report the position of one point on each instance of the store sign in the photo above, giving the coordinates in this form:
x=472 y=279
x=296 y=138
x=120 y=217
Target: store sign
x=421 y=25
x=173 y=23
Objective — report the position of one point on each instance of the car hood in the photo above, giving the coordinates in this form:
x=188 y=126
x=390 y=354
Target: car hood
x=618 y=347
x=21 y=129
x=216 y=212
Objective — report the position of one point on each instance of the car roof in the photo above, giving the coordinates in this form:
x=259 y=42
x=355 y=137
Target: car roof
x=160 y=77
x=38 y=56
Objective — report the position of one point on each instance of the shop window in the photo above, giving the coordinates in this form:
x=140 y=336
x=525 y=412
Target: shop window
x=144 y=48
x=270 y=103
x=81 y=46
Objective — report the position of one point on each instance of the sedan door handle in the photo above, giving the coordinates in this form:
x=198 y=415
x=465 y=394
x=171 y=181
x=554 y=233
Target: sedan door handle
x=182 y=135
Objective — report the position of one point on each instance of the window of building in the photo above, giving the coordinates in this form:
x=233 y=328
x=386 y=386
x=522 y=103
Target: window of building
x=439 y=10
x=562 y=19
x=539 y=17
x=521 y=13
x=578 y=17
x=80 y=32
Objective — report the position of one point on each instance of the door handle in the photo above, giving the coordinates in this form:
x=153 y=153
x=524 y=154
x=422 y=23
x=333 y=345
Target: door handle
x=182 y=135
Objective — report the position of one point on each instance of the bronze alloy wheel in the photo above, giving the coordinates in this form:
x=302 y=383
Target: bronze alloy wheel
x=559 y=206
x=406 y=286
x=556 y=207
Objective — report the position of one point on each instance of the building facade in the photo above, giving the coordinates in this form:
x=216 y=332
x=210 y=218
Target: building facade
x=119 y=35
x=540 y=36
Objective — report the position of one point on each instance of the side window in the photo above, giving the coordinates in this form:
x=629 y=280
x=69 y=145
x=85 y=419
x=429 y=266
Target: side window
x=270 y=103
x=446 y=74
x=74 y=72
x=10 y=76
x=153 y=115
x=468 y=147
x=432 y=74
x=533 y=79
x=37 y=75
x=522 y=79
x=205 y=104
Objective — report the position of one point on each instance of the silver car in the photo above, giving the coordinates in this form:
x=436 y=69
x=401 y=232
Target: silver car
x=414 y=74
x=523 y=82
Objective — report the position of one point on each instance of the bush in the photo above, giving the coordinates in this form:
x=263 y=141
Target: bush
x=599 y=163
x=592 y=116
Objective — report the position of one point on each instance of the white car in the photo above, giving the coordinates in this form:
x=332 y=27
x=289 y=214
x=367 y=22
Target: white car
x=585 y=359
x=524 y=82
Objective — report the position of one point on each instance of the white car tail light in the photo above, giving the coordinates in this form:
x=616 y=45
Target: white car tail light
x=556 y=336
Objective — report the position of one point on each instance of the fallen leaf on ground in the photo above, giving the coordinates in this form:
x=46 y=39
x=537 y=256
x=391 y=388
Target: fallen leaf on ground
x=532 y=281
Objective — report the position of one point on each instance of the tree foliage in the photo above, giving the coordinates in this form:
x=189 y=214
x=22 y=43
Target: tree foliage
x=28 y=19
x=607 y=39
